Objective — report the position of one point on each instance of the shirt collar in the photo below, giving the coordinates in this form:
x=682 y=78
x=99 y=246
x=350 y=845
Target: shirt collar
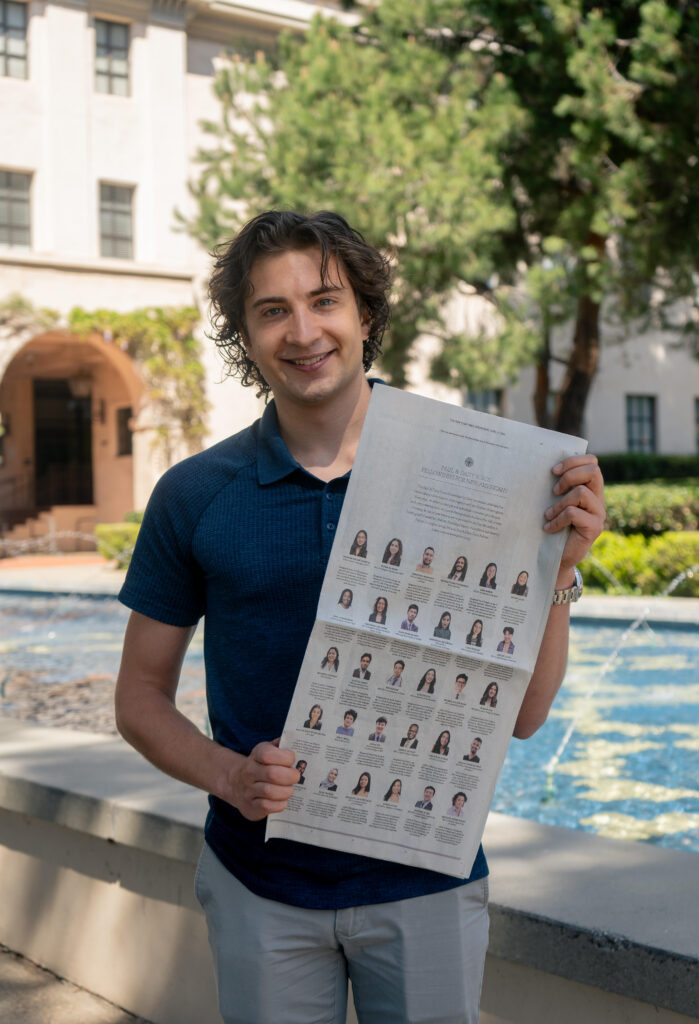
x=274 y=460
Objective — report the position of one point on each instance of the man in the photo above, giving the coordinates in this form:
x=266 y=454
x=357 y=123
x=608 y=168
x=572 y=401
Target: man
x=410 y=740
x=427 y=797
x=363 y=671
x=300 y=767
x=378 y=736
x=473 y=752
x=347 y=729
x=396 y=678
x=459 y=686
x=426 y=564
x=242 y=532
x=409 y=620
x=506 y=646
x=330 y=782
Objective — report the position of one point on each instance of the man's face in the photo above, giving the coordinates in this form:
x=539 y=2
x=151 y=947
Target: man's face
x=412 y=732
x=475 y=747
x=305 y=337
x=364 y=663
x=397 y=669
x=301 y=767
x=380 y=726
x=412 y=613
x=460 y=683
x=428 y=794
x=349 y=721
x=427 y=556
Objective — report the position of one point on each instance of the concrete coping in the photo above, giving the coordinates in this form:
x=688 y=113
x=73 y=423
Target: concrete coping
x=613 y=914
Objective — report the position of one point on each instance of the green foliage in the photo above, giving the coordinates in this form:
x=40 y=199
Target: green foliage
x=615 y=562
x=18 y=314
x=494 y=145
x=627 y=467
x=667 y=557
x=133 y=517
x=162 y=342
x=652 y=508
x=116 y=541
x=618 y=564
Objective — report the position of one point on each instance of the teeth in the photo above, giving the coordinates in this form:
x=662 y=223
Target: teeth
x=307 y=362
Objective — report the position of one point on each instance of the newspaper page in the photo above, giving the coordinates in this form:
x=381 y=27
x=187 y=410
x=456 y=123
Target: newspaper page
x=429 y=622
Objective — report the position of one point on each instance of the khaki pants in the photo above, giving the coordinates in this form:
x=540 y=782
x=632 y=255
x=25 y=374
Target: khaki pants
x=410 y=961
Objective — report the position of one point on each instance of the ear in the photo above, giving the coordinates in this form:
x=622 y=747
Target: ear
x=365 y=321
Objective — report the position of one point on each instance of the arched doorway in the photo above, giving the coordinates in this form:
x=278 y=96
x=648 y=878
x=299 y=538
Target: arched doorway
x=66 y=458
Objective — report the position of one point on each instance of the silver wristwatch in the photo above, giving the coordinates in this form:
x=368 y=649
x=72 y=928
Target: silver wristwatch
x=570 y=594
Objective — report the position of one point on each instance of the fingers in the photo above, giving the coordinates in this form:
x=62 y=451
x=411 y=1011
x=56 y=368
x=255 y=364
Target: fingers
x=265 y=781
x=579 y=469
x=271 y=753
x=583 y=498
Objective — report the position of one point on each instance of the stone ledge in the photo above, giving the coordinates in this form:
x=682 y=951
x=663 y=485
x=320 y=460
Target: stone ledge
x=612 y=914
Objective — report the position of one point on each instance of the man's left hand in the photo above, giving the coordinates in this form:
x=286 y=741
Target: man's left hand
x=581 y=506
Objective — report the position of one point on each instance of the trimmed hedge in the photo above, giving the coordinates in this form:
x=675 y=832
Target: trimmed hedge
x=626 y=467
x=652 y=508
x=133 y=517
x=642 y=566
x=117 y=540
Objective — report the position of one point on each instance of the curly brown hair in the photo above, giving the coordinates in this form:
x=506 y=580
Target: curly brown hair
x=278 y=231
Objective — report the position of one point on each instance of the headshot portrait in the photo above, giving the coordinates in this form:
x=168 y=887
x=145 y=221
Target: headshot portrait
x=457 y=805
x=458 y=569
x=472 y=755
x=475 y=637
x=442 y=743
x=358 y=548
x=363 y=671
x=300 y=767
x=331 y=661
x=520 y=585
x=425 y=564
x=346 y=598
x=380 y=611
x=396 y=677
x=427 y=683
x=410 y=739
x=443 y=628
x=460 y=686
x=347 y=727
x=330 y=782
x=490 y=696
x=378 y=735
x=314 y=717
x=393 y=792
x=409 y=620
x=488 y=578
x=393 y=552
x=363 y=787
x=427 y=798
x=506 y=646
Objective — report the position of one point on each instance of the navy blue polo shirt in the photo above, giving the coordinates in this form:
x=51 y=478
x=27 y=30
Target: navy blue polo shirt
x=241 y=533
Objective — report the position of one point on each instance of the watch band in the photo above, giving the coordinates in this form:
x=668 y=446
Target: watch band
x=570 y=594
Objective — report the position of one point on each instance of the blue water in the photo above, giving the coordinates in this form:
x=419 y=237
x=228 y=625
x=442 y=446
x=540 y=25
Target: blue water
x=631 y=766
x=630 y=769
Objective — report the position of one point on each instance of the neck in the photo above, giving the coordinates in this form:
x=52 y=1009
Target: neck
x=323 y=437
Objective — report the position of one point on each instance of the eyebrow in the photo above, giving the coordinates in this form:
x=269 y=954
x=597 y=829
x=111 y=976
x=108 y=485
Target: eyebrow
x=323 y=290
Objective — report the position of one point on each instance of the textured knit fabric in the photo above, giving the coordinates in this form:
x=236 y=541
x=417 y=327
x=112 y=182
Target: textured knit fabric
x=241 y=533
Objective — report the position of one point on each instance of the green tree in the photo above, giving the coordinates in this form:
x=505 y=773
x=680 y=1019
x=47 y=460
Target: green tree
x=539 y=155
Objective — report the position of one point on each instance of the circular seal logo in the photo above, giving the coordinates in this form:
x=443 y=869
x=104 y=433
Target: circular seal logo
x=468 y=462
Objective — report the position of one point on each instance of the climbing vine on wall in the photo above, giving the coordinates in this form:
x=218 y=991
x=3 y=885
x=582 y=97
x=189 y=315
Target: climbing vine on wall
x=163 y=343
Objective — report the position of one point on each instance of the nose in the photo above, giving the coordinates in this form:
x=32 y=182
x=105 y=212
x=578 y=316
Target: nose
x=302 y=327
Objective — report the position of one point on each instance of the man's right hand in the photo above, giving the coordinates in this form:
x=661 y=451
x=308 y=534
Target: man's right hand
x=261 y=783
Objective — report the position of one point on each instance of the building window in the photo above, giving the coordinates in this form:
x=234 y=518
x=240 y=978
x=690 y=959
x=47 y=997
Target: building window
x=124 y=434
x=640 y=423
x=13 y=39
x=489 y=400
x=111 y=57
x=116 y=221
x=14 y=208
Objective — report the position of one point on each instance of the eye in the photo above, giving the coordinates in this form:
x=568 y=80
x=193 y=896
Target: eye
x=326 y=300
x=271 y=311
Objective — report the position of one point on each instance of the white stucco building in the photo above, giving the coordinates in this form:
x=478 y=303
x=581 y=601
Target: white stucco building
x=100 y=104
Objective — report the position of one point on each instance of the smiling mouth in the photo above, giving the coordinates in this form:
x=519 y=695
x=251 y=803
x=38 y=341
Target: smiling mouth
x=310 y=361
